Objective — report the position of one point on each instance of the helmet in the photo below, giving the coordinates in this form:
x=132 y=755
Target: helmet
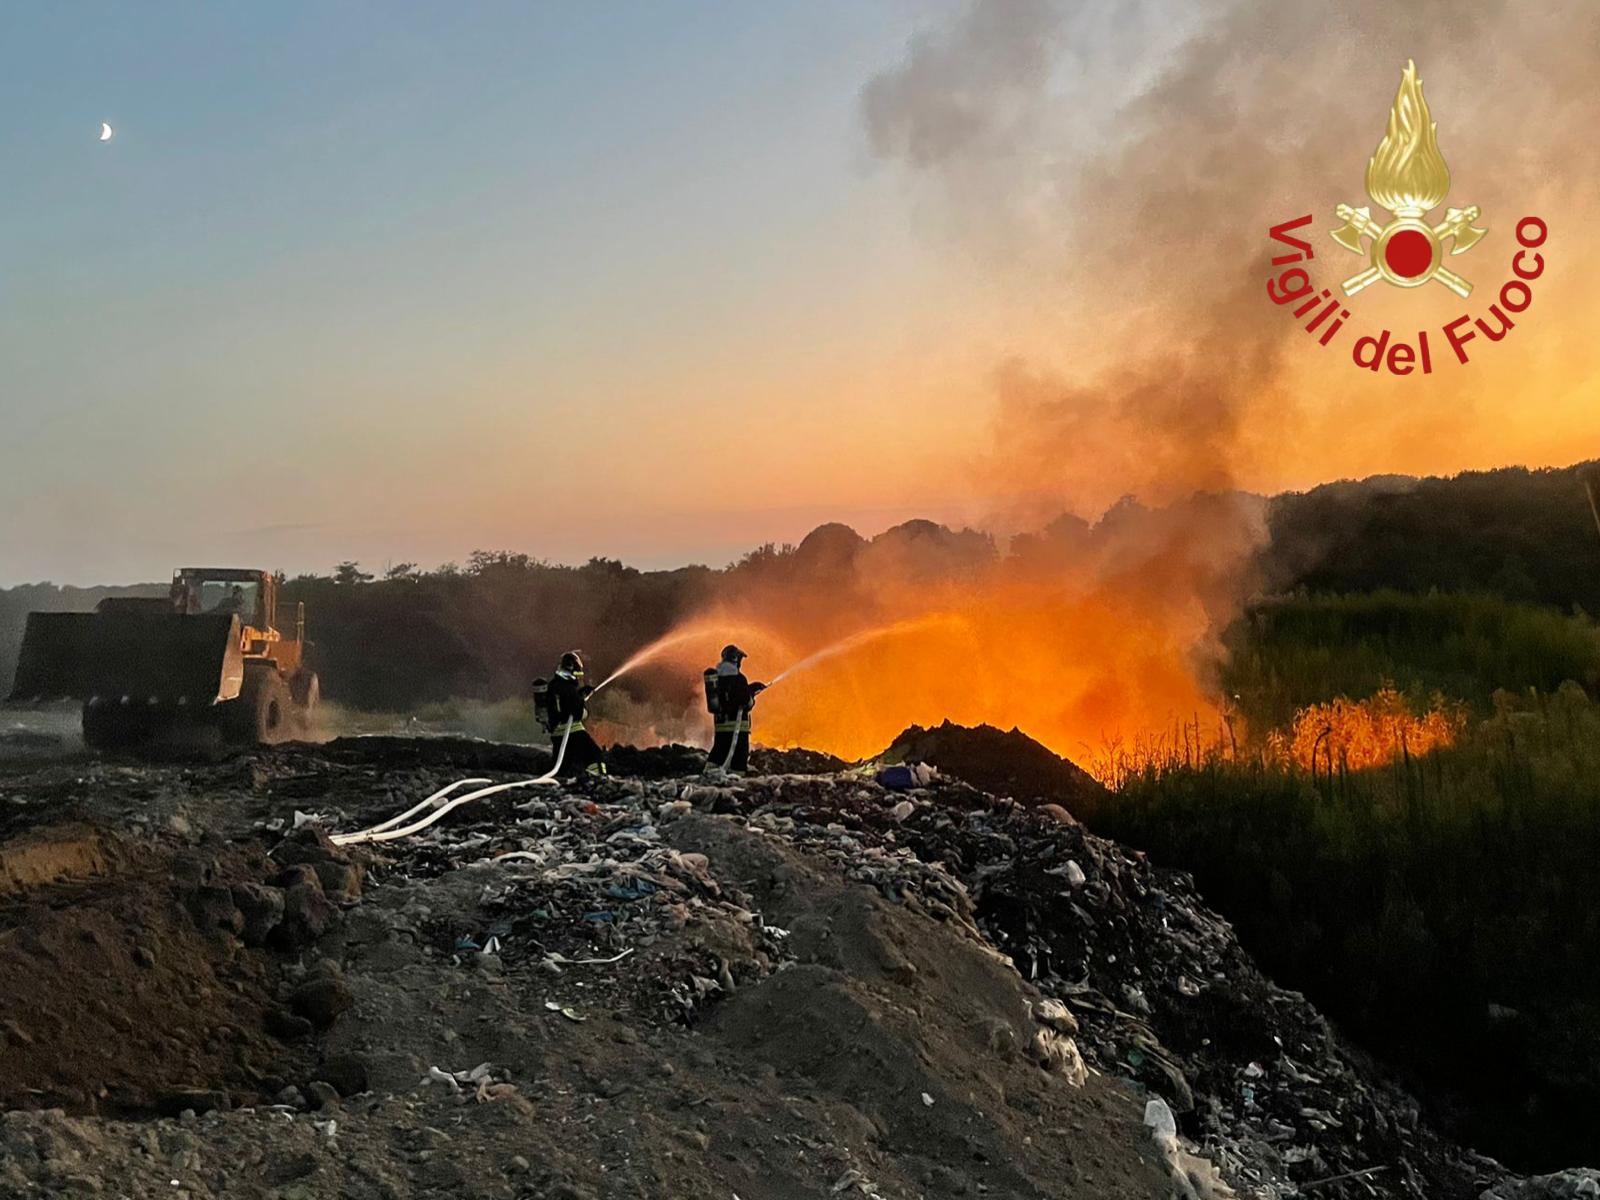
x=732 y=653
x=570 y=662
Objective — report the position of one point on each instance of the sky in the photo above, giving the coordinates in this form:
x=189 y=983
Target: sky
x=661 y=281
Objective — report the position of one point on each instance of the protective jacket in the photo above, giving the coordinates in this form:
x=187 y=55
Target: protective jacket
x=568 y=703
x=735 y=699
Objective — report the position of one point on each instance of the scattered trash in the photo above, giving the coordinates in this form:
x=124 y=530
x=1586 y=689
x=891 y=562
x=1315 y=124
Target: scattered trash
x=1163 y=1125
x=586 y=885
x=454 y=1080
x=1060 y=1054
x=1056 y=1015
x=562 y=960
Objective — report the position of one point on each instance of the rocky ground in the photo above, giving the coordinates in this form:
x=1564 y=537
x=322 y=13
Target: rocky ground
x=799 y=984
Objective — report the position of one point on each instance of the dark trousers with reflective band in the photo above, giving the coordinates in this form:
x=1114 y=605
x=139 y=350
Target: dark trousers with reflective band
x=734 y=736
x=583 y=756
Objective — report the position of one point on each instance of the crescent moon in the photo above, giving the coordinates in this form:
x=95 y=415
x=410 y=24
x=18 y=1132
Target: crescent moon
x=105 y=132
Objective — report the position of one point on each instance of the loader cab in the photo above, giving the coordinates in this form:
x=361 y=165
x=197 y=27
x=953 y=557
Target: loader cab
x=244 y=594
x=252 y=596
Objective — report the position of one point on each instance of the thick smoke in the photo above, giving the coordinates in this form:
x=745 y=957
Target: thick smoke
x=1124 y=178
x=1112 y=182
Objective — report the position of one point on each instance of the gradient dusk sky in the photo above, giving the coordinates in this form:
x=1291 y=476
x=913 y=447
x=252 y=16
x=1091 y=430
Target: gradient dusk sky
x=662 y=281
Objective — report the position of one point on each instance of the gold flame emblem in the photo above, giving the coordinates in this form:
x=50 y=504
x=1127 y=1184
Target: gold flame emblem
x=1408 y=176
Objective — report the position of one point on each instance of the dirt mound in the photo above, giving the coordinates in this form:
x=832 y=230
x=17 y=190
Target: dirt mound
x=794 y=761
x=655 y=762
x=413 y=753
x=1001 y=763
x=472 y=754
x=141 y=977
x=52 y=855
x=93 y=971
x=922 y=1029
x=1155 y=985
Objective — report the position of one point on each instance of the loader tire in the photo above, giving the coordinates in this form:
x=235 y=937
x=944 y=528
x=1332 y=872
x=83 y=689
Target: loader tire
x=263 y=712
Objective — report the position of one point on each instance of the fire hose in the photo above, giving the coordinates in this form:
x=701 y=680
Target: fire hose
x=394 y=829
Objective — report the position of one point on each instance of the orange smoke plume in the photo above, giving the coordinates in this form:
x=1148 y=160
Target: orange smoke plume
x=1079 y=635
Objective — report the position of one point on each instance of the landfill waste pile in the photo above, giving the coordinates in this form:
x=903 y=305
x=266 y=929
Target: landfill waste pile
x=658 y=984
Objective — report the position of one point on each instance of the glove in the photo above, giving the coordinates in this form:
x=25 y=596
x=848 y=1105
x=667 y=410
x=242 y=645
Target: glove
x=757 y=688
x=585 y=691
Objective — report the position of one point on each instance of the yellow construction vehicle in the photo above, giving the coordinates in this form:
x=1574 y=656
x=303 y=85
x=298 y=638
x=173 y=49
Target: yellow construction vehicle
x=214 y=654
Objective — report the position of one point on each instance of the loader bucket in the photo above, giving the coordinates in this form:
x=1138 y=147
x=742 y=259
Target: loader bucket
x=168 y=658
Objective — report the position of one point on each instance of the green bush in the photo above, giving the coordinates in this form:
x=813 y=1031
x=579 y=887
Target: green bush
x=1286 y=655
x=1442 y=908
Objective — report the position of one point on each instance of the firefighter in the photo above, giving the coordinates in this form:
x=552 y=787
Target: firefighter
x=567 y=701
x=731 y=697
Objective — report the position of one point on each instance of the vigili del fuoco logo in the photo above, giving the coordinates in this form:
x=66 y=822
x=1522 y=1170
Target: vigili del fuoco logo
x=1408 y=177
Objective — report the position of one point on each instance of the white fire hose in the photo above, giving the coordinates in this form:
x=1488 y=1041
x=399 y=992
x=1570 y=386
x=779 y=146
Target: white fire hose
x=394 y=829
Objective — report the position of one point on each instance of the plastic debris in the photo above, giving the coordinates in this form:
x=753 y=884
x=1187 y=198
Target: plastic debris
x=1163 y=1125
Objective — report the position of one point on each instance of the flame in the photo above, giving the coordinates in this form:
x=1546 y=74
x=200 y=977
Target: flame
x=1356 y=734
x=1078 y=637
x=1068 y=670
x=1407 y=174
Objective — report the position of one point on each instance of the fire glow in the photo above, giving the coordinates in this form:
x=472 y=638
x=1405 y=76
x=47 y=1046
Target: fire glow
x=1078 y=638
x=1356 y=734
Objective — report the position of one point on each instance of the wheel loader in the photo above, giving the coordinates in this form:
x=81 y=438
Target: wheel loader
x=214 y=654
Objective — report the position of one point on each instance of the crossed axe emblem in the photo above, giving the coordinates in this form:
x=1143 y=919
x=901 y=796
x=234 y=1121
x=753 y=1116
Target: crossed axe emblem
x=1407 y=251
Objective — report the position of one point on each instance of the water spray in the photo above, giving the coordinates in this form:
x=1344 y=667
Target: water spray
x=665 y=642
x=869 y=635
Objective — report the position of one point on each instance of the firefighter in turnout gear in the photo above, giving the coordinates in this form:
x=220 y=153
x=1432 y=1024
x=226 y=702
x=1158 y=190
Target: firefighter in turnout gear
x=730 y=697
x=566 y=703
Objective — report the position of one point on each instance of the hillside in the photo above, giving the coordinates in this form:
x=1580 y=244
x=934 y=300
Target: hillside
x=1521 y=534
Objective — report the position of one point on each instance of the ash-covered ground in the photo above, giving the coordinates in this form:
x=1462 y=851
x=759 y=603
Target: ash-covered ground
x=797 y=984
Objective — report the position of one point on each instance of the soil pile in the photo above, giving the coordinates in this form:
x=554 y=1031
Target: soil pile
x=1001 y=763
x=103 y=943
